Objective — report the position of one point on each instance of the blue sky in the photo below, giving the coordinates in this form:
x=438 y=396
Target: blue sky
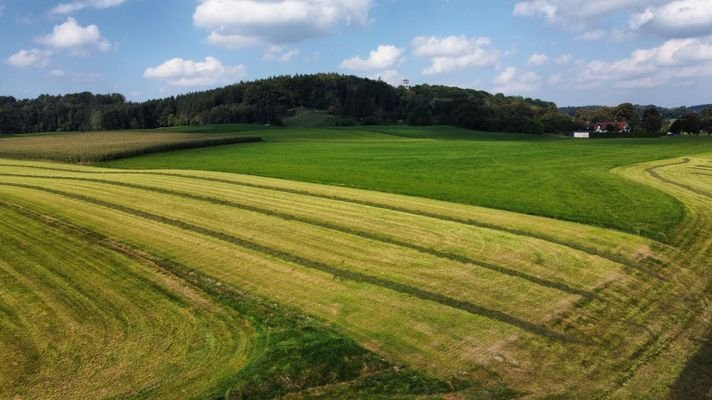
x=573 y=52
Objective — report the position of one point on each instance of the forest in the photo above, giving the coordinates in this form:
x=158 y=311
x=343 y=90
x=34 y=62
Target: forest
x=353 y=100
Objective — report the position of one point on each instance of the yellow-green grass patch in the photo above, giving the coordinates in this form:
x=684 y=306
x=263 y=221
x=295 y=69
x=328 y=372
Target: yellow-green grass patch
x=83 y=322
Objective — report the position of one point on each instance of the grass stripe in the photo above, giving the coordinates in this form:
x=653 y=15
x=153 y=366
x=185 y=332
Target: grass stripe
x=363 y=234
x=653 y=172
x=316 y=265
x=465 y=221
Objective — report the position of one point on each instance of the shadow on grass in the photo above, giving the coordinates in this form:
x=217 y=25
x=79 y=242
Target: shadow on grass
x=695 y=381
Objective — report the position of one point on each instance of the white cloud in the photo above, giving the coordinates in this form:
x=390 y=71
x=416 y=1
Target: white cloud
x=386 y=56
x=239 y=23
x=392 y=77
x=455 y=52
x=682 y=18
x=572 y=12
x=281 y=54
x=75 y=38
x=538 y=59
x=511 y=82
x=77 y=5
x=675 y=59
x=180 y=72
x=30 y=58
x=56 y=73
x=594 y=19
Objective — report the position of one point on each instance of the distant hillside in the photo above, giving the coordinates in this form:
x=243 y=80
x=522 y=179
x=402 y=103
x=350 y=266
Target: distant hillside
x=349 y=99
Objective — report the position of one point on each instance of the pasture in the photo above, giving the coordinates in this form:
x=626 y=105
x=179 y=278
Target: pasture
x=88 y=147
x=547 y=176
x=462 y=293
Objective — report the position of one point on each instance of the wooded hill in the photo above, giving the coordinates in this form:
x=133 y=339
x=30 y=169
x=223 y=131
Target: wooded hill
x=352 y=99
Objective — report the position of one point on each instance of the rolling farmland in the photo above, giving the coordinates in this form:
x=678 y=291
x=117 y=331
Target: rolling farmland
x=459 y=292
x=548 y=176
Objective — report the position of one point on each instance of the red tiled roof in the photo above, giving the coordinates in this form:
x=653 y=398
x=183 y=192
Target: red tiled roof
x=619 y=125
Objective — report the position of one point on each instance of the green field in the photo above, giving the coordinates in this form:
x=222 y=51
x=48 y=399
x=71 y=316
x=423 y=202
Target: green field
x=547 y=176
x=419 y=282
x=188 y=275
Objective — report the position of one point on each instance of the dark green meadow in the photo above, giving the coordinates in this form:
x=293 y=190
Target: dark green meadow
x=542 y=175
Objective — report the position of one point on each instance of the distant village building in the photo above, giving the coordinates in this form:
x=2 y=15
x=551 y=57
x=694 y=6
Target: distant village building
x=618 y=127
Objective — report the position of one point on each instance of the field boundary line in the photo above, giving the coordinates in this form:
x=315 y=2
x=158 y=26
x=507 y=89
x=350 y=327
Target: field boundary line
x=363 y=234
x=337 y=273
x=464 y=221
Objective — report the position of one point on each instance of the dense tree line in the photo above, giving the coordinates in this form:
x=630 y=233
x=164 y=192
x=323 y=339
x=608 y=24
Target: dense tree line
x=651 y=120
x=668 y=113
x=353 y=99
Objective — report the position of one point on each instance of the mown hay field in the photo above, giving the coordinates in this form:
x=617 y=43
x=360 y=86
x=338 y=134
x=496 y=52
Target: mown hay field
x=88 y=147
x=79 y=321
x=459 y=292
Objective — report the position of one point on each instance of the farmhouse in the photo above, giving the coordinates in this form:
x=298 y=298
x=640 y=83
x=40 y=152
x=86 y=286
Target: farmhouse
x=608 y=126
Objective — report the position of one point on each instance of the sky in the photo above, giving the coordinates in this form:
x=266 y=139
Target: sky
x=573 y=52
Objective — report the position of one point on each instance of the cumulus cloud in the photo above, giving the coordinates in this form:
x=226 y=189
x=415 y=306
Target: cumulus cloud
x=75 y=38
x=74 y=6
x=281 y=54
x=682 y=18
x=29 y=58
x=455 y=52
x=644 y=68
x=511 y=81
x=385 y=56
x=575 y=11
x=180 y=72
x=667 y=18
x=240 y=23
x=538 y=59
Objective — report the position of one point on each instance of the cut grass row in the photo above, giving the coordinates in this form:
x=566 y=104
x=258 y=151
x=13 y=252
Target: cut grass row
x=73 y=317
x=286 y=353
x=672 y=315
x=679 y=353
x=388 y=276
x=547 y=266
x=399 y=326
x=371 y=272
x=346 y=206
x=352 y=229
